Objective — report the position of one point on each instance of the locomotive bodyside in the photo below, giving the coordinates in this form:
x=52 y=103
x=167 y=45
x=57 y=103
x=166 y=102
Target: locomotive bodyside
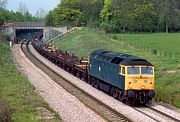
x=107 y=72
x=127 y=77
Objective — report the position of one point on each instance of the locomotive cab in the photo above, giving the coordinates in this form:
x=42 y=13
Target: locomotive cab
x=138 y=77
x=139 y=82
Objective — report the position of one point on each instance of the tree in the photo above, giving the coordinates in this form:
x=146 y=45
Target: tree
x=66 y=16
x=143 y=17
x=168 y=12
x=41 y=13
x=106 y=11
x=22 y=8
x=118 y=15
x=5 y=15
x=130 y=15
x=17 y=17
x=89 y=10
x=49 y=18
x=28 y=17
x=3 y=3
x=10 y=16
x=2 y=17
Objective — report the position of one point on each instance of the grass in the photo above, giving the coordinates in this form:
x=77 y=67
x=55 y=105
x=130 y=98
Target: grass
x=17 y=92
x=168 y=43
x=82 y=42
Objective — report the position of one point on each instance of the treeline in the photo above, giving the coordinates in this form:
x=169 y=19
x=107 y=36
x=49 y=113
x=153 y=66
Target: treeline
x=10 y=16
x=118 y=15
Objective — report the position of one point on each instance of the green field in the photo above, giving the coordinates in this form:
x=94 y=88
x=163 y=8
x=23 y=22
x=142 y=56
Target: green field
x=82 y=42
x=166 y=43
x=17 y=92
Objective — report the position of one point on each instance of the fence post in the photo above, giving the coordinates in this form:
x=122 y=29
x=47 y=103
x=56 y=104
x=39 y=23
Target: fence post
x=162 y=54
x=173 y=56
x=167 y=55
x=158 y=53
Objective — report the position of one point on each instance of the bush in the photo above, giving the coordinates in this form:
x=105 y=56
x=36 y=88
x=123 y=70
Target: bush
x=5 y=112
x=2 y=38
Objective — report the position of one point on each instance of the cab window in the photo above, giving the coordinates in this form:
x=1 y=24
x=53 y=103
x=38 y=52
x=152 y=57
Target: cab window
x=123 y=70
x=147 y=70
x=133 y=70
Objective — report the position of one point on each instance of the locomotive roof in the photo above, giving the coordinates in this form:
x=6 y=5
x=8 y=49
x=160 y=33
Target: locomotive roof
x=118 y=58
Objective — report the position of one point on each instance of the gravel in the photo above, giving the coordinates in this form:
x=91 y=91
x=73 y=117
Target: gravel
x=167 y=111
x=68 y=107
x=127 y=111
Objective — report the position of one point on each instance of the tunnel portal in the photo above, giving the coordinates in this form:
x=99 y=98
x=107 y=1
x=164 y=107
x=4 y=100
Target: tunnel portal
x=26 y=33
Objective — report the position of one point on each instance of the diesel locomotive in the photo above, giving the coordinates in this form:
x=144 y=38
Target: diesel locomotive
x=127 y=78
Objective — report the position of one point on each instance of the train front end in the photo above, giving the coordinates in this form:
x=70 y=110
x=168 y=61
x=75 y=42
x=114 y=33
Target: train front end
x=139 y=83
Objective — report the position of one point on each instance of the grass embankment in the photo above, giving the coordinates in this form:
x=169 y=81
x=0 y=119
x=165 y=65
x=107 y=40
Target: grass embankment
x=166 y=44
x=17 y=92
x=82 y=42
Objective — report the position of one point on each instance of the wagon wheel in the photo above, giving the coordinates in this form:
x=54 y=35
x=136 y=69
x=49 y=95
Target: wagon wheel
x=96 y=85
x=120 y=95
x=93 y=82
x=71 y=71
x=89 y=80
x=115 y=93
x=130 y=101
x=111 y=91
x=124 y=99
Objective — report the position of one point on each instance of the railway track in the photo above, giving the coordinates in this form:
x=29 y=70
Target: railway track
x=107 y=113
x=156 y=114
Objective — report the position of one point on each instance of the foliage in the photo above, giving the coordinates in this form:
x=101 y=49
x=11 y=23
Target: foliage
x=5 y=112
x=128 y=15
x=3 y=3
x=10 y=16
x=120 y=15
x=83 y=42
x=105 y=13
x=66 y=16
x=83 y=12
x=49 y=19
x=169 y=13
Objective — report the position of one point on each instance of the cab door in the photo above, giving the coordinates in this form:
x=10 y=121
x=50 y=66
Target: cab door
x=122 y=75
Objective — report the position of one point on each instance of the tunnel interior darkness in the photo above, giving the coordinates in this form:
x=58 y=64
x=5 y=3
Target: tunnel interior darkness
x=24 y=33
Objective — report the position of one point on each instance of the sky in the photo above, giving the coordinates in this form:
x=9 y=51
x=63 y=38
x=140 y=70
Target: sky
x=33 y=5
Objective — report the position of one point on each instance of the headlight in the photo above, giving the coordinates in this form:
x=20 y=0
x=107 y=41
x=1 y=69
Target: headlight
x=145 y=81
x=135 y=81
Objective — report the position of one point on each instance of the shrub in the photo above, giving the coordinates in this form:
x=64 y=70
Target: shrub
x=5 y=112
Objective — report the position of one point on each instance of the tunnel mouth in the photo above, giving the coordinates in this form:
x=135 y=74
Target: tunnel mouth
x=26 y=33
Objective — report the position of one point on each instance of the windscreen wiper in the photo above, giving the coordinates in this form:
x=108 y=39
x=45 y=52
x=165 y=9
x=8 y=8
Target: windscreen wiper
x=147 y=67
x=134 y=69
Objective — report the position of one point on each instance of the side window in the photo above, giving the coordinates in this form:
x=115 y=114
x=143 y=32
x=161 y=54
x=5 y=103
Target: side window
x=123 y=70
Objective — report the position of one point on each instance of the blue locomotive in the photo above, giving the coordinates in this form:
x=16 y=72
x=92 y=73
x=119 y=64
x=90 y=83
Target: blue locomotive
x=126 y=77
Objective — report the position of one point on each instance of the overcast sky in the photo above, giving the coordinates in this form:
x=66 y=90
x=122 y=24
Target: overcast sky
x=33 y=5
